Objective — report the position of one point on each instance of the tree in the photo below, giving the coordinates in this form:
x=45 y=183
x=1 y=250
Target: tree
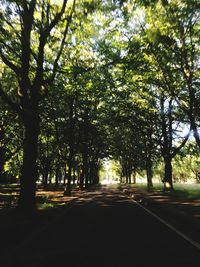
x=174 y=48
x=28 y=30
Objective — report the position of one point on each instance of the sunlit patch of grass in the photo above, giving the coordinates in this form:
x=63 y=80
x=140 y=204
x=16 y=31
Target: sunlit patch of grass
x=46 y=198
x=46 y=205
x=53 y=198
x=186 y=191
x=156 y=187
x=189 y=191
x=8 y=196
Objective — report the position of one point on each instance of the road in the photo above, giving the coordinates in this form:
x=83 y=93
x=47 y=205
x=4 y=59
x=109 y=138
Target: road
x=105 y=228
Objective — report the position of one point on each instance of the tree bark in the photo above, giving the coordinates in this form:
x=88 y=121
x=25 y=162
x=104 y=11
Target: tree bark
x=149 y=173
x=46 y=176
x=2 y=162
x=85 y=164
x=168 y=183
x=81 y=178
x=27 y=201
x=2 y=154
x=71 y=147
x=85 y=148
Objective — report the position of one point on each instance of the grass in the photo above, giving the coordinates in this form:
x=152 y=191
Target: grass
x=186 y=191
x=189 y=191
x=46 y=205
x=46 y=198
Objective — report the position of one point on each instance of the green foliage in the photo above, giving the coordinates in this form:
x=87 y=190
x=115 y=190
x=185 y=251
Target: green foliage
x=125 y=84
x=187 y=164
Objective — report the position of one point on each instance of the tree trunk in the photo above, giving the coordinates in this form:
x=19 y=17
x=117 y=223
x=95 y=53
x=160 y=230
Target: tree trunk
x=85 y=156
x=126 y=172
x=65 y=173
x=27 y=201
x=168 y=183
x=134 y=176
x=46 y=174
x=2 y=162
x=2 y=154
x=85 y=164
x=81 y=177
x=67 y=191
x=129 y=178
x=71 y=147
x=149 y=173
x=57 y=176
x=121 y=178
x=45 y=178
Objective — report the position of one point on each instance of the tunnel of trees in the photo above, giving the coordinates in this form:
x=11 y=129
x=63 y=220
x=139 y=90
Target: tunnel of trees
x=85 y=80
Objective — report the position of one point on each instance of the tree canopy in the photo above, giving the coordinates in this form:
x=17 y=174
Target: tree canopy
x=81 y=81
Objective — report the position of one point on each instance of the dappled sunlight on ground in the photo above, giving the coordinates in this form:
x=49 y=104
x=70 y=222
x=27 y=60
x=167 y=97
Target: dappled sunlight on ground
x=45 y=198
x=8 y=196
x=181 y=205
x=54 y=197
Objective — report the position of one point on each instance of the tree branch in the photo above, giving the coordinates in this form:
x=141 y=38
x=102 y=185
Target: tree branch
x=9 y=63
x=177 y=149
x=55 y=65
x=56 y=19
x=13 y=50
x=43 y=40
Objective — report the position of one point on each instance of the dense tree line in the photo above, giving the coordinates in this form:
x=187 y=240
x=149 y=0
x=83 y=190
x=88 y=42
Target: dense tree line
x=81 y=81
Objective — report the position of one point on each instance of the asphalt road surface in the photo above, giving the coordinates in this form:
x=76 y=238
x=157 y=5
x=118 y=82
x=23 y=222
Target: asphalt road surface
x=105 y=228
